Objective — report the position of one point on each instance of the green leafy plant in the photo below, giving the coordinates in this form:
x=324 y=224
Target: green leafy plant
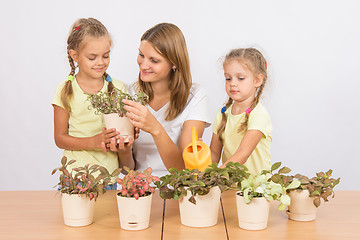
x=178 y=182
x=320 y=186
x=136 y=183
x=81 y=180
x=105 y=102
x=262 y=185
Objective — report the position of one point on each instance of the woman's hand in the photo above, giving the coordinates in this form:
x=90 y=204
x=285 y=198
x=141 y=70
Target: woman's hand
x=113 y=142
x=141 y=118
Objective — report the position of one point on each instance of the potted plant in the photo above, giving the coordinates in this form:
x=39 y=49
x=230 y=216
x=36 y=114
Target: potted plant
x=307 y=197
x=254 y=195
x=198 y=193
x=111 y=106
x=79 y=190
x=134 y=198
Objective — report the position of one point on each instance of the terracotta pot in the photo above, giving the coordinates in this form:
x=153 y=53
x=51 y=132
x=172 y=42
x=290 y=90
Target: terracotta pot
x=301 y=207
x=254 y=215
x=121 y=124
x=78 y=210
x=204 y=213
x=134 y=214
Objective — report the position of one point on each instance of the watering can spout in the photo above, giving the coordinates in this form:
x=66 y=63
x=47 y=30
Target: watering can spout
x=197 y=154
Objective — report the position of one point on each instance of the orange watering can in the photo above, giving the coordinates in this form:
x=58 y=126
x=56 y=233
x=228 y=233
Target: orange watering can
x=197 y=154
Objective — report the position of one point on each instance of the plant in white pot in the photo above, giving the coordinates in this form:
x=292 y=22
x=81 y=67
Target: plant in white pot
x=198 y=193
x=111 y=106
x=79 y=190
x=134 y=198
x=307 y=197
x=254 y=196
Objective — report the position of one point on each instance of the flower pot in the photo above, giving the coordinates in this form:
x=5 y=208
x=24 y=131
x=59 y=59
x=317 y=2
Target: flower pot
x=78 y=210
x=134 y=214
x=254 y=215
x=121 y=124
x=204 y=213
x=301 y=207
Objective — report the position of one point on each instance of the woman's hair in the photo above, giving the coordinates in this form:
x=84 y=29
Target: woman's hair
x=168 y=40
x=256 y=63
x=82 y=28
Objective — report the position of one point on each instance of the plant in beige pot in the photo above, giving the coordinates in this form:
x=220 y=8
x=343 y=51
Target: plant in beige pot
x=307 y=197
x=254 y=196
x=198 y=193
x=134 y=198
x=79 y=190
x=111 y=106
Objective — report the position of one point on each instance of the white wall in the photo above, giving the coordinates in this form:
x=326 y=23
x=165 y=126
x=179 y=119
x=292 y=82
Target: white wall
x=312 y=49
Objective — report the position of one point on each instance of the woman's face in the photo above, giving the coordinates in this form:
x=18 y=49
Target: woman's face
x=153 y=67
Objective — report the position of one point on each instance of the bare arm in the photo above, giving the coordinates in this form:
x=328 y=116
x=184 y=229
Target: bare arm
x=246 y=147
x=64 y=141
x=215 y=147
x=170 y=153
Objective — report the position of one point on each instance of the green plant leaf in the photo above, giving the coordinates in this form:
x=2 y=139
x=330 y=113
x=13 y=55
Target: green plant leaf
x=275 y=166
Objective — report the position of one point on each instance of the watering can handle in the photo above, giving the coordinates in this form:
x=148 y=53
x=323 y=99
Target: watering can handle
x=194 y=138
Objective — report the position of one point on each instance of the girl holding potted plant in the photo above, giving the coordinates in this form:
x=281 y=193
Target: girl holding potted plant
x=242 y=128
x=77 y=129
x=175 y=104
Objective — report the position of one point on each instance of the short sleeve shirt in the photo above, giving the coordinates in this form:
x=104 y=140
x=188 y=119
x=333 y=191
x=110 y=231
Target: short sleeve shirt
x=259 y=119
x=144 y=148
x=83 y=122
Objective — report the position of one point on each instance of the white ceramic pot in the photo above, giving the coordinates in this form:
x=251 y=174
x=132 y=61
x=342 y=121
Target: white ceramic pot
x=78 y=210
x=254 y=215
x=204 y=213
x=301 y=207
x=134 y=214
x=122 y=125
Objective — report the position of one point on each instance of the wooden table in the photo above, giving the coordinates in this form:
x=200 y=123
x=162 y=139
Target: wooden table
x=37 y=215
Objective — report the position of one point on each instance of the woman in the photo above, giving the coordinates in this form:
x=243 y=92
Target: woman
x=175 y=104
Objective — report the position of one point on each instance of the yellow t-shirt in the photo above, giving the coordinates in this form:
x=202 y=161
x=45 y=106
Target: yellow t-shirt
x=83 y=122
x=259 y=119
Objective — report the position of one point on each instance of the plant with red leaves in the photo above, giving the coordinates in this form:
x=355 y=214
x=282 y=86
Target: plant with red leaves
x=136 y=183
x=81 y=180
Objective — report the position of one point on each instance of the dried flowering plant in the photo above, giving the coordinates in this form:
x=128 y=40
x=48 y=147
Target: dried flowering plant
x=111 y=102
x=81 y=180
x=136 y=183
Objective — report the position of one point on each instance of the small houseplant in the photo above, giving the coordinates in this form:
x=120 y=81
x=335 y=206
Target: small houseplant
x=307 y=197
x=198 y=193
x=111 y=106
x=134 y=198
x=79 y=190
x=254 y=195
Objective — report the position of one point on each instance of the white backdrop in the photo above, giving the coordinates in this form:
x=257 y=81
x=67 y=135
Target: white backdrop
x=312 y=48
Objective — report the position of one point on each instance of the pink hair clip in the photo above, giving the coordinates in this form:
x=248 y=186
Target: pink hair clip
x=265 y=64
x=78 y=27
x=248 y=110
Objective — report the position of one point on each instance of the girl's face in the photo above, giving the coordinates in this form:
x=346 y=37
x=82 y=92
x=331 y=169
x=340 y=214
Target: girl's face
x=93 y=57
x=153 y=66
x=240 y=84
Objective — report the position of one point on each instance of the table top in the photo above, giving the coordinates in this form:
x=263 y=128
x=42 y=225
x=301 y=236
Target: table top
x=38 y=215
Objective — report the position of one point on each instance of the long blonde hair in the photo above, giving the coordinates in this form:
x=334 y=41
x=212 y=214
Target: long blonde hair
x=169 y=41
x=79 y=31
x=256 y=63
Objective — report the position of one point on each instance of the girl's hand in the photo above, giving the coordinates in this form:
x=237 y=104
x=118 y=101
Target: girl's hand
x=120 y=146
x=104 y=138
x=141 y=117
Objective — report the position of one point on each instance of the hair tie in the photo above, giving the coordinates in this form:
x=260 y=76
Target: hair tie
x=70 y=78
x=248 y=110
x=78 y=27
x=108 y=78
x=223 y=109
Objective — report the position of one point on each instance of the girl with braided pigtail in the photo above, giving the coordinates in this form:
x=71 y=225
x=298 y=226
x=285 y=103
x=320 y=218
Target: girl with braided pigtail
x=242 y=130
x=77 y=129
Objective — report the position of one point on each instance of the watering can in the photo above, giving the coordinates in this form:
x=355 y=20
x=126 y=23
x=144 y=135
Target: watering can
x=197 y=154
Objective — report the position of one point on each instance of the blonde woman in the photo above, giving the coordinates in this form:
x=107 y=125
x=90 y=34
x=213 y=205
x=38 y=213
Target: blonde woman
x=175 y=104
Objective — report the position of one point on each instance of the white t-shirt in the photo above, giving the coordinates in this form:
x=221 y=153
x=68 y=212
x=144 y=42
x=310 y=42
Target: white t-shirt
x=144 y=148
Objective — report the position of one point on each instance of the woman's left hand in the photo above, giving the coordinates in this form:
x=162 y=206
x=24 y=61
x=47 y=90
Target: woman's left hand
x=141 y=117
